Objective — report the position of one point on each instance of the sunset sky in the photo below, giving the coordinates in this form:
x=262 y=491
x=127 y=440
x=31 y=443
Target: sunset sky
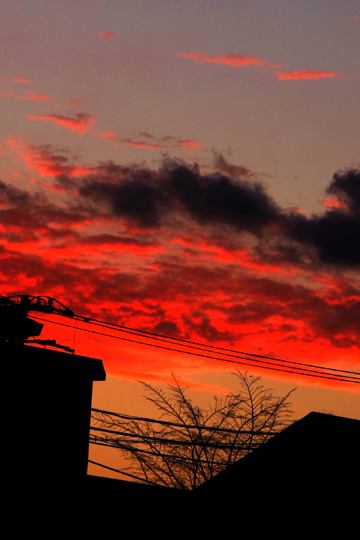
x=189 y=168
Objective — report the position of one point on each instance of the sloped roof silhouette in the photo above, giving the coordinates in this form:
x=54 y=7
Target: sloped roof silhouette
x=311 y=445
x=306 y=477
x=303 y=481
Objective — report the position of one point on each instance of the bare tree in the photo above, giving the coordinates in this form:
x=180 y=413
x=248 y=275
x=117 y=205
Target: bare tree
x=188 y=445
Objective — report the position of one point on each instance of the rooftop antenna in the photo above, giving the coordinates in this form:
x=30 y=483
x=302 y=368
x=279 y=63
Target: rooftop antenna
x=16 y=327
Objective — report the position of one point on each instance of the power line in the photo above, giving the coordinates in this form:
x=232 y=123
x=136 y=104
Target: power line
x=156 y=453
x=199 y=346
x=174 y=424
x=122 y=472
x=148 y=438
x=254 y=362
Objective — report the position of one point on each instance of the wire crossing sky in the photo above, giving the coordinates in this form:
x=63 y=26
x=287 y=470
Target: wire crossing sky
x=276 y=364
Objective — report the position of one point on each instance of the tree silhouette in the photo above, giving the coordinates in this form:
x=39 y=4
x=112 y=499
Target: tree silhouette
x=188 y=445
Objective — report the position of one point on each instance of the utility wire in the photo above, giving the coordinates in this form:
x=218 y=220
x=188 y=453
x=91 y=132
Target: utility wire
x=254 y=362
x=121 y=472
x=199 y=346
x=145 y=438
x=260 y=360
x=107 y=442
x=174 y=424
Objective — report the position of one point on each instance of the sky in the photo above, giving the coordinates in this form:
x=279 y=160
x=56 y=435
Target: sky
x=189 y=168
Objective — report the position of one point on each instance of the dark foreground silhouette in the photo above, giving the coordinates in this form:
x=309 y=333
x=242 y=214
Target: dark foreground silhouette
x=302 y=482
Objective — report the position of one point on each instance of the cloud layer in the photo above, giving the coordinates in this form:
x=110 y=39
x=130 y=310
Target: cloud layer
x=311 y=74
x=151 y=142
x=206 y=256
x=237 y=60
x=151 y=199
x=106 y=35
x=233 y=60
x=80 y=124
x=335 y=234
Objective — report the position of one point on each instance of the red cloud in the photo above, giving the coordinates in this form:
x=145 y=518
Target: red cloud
x=30 y=95
x=335 y=203
x=356 y=18
x=190 y=143
x=34 y=97
x=75 y=101
x=169 y=284
x=154 y=143
x=234 y=60
x=108 y=135
x=104 y=244
x=21 y=80
x=106 y=35
x=6 y=93
x=137 y=144
x=309 y=74
x=45 y=162
x=80 y=124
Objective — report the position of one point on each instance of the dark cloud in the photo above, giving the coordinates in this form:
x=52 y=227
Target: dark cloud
x=13 y=196
x=346 y=186
x=111 y=239
x=167 y=328
x=31 y=216
x=235 y=171
x=135 y=197
x=178 y=195
x=336 y=234
x=83 y=250
x=148 y=198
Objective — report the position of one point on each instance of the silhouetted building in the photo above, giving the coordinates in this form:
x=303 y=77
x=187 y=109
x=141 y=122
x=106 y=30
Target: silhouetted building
x=302 y=482
x=47 y=402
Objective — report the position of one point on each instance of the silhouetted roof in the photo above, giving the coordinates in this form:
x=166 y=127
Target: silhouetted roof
x=301 y=480
x=308 y=475
x=310 y=446
x=36 y=361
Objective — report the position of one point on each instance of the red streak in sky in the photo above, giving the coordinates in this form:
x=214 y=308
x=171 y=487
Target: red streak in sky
x=106 y=35
x=75 y=101
x=191 y=144
x=128 y=142
x=21 y=80
x=30 y=95
x=108 y=135
x=234 y=60
x=309 y=74
x=80 y=124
